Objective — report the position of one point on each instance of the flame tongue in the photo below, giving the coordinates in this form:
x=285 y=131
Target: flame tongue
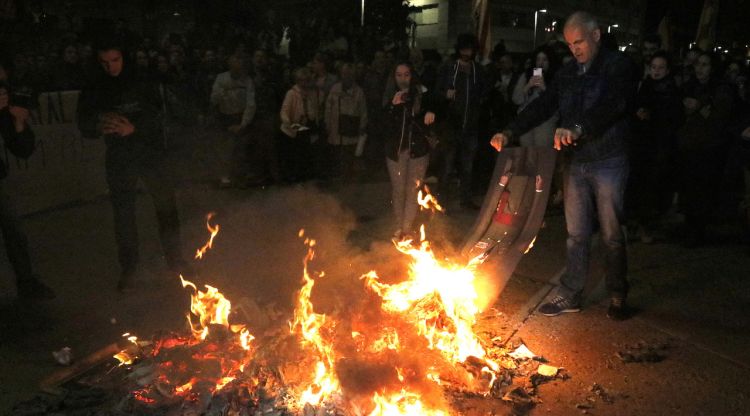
x=309 y=325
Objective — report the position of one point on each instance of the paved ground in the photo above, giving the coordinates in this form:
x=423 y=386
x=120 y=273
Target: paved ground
x=695 y=301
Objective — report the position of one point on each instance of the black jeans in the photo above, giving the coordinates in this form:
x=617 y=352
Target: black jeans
x=16 y=244
x=122 y=179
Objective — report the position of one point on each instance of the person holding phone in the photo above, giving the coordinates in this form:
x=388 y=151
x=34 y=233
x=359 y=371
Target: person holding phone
x=18 y=138
x=407 y=148
x=531 y=84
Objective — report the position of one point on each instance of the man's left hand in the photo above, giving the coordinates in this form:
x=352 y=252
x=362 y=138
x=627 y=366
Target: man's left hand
x=118 y=125
x=565 y=137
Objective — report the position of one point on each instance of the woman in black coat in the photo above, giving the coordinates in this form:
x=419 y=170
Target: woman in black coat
x=407 y=146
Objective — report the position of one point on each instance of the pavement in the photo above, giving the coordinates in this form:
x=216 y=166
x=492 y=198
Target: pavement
x=694 y=303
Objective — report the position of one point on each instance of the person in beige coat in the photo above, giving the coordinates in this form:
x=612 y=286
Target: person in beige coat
x=345 y=119
x=301 y=116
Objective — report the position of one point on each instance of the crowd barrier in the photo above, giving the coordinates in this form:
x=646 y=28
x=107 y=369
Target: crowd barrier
x=65 y=167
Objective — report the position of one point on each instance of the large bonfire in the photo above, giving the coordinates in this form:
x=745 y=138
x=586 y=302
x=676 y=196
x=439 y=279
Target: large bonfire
x=410 y=343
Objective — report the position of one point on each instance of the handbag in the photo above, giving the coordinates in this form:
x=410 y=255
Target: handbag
x=348 y=124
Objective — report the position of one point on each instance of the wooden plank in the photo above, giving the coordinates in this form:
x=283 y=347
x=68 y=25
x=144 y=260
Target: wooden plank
x=51 y=384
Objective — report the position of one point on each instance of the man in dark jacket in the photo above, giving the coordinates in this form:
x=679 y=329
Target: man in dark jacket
x=463 y=85
x=19 y=140
x=594 y=95
x=125 y=112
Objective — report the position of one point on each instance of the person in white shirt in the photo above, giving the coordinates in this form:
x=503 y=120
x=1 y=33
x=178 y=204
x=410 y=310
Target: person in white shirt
x=233 y=97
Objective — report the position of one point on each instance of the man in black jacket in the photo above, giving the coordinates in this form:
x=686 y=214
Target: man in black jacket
x=19 y=140
x=594 y=95
x=463 y=86
x=125 y=112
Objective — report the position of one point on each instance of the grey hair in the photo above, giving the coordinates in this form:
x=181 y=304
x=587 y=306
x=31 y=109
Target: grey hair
x=583 y=20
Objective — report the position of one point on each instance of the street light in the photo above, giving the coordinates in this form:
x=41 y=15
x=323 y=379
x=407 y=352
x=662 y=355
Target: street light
x=363 y=14
x=609 y=28
x=536 y=21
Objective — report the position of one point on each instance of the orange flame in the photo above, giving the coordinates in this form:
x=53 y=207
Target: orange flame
x=214 y=230
x=308 y=324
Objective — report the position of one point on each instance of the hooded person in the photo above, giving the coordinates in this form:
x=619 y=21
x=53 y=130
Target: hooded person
x=124 y=111
x=462 y=85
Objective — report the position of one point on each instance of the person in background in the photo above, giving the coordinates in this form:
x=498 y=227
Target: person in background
x=68 y=74
x=345 y=119
x=324 y=79
x=233 y=96
x=263 y=130
x=654 y=150
x=463 y=84
x=702 y=140
x=650 y=45
x=300 y=120
x=687 y=69
x=531 y=84
x=407 y=148
x=18 y=138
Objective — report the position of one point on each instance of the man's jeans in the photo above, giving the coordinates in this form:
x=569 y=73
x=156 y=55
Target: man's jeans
x=595 y=188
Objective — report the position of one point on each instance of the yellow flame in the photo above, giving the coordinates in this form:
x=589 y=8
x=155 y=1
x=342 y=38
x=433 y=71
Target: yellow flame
x=403 y=403
x=214 y=230
x=427 y=201
x=124 y=358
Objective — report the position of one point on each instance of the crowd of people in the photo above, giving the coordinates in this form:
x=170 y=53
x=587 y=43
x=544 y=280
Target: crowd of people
x=325 y=111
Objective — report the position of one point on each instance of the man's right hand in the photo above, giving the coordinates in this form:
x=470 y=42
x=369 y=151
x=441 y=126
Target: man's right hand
x=500 y=140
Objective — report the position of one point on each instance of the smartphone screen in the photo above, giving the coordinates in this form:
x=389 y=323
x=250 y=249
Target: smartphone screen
x=537 y=72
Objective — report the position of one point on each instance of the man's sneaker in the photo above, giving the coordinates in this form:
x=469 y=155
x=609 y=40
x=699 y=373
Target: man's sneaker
x=618 y=310
x=34 y=289
x=559 y=305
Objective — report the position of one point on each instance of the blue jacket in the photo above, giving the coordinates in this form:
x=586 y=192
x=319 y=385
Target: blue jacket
x=600 y=101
